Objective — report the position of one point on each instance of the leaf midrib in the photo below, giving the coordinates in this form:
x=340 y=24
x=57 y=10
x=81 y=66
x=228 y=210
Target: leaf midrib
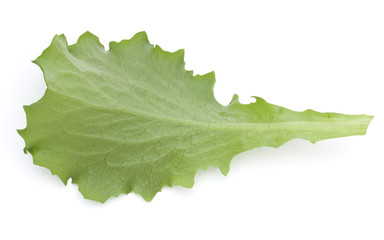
x=330 y=125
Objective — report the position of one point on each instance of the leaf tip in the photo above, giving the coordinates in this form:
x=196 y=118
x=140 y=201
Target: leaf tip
x=21 y=132
x=180 y=54
x=235 y=99
x=209 y=78
x=60 y=38
x=59 y=41
x=88 y=38
x=141 y=36
x=87 y=34
x=259 y=100
x=224 y=170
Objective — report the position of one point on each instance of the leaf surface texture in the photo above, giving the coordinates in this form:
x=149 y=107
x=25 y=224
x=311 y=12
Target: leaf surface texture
x=133 y=119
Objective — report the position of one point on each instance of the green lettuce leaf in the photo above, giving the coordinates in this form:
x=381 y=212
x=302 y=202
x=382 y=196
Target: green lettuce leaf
x=132 y=119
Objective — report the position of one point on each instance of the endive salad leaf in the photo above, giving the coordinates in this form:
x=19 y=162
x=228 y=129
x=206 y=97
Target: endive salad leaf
x=132 y=119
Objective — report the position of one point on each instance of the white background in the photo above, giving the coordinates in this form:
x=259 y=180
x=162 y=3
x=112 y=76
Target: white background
x=326 y=55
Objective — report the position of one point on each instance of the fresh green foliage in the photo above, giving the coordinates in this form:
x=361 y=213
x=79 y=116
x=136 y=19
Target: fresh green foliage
x=133 y=119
